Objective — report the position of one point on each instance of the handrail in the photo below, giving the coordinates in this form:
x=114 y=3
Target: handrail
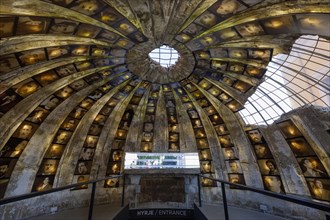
x=35 y=194
x=300 y=201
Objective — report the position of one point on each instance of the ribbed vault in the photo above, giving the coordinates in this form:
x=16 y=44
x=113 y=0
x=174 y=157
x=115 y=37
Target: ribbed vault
x=76 y=77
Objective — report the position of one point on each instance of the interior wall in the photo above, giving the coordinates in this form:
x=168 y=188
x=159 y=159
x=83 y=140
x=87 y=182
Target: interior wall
x=82 y=67
x=294 y=181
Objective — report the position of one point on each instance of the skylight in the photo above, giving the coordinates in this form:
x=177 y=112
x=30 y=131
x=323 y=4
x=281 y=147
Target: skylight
x=166 y=56
x=292 y=81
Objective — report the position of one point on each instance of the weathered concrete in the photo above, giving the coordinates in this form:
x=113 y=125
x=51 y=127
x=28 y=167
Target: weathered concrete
x=161 y=22
x=73 y=147
x=28 y=164
x=143 y=66
x=133 y=193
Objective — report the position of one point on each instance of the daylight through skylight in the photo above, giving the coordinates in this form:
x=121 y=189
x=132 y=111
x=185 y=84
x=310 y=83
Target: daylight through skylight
x=166 y=56
x=292 y=81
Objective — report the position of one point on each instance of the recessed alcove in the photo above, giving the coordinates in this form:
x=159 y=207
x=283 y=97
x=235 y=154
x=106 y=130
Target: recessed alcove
x=80 y=89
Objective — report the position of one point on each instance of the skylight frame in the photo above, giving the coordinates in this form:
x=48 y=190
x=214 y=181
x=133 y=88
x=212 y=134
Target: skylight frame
x=166 y=56
x=300 y=78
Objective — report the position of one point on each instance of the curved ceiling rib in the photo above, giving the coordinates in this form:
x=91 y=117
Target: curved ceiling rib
x=77 y=75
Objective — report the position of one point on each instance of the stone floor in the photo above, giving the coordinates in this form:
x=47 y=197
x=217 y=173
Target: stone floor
x=216 y=212
x=101 y=212
x=107 y=212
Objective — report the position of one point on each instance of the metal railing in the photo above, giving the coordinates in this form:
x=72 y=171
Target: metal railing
x=72 y=186
x=300 y=201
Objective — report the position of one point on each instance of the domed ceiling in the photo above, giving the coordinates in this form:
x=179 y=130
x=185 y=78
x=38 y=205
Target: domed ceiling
x=76 y=76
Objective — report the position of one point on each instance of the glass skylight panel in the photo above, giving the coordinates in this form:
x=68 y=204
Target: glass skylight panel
x=287 y=72
x=267 y=87
x=258 y=106
x=272 y=66
x=303 y=57
x=324 y=61
x=276 y=110
x=262 y=102
x=268 y=100
x=322 y=44
x=164 y=55
x=278 y=77
x=293 y=60
x=259 y=93
x=266 y=114
x=286 y=106
x=258 y=118
x=250 y=108
x=321 y=90
x=291 y=81
x=282 y=57
x=250 y=120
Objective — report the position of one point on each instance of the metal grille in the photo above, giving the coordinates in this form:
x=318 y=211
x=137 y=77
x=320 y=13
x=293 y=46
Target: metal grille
x=292 y=81
x=165 y=56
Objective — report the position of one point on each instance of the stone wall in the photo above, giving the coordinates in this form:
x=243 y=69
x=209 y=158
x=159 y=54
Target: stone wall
x=312 y=122
x=161 y=188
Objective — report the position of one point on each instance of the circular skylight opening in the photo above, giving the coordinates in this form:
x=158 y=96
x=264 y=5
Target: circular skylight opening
x=166 y=56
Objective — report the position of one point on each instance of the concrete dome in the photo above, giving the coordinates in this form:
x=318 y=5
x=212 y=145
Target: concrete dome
x=77 y=86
